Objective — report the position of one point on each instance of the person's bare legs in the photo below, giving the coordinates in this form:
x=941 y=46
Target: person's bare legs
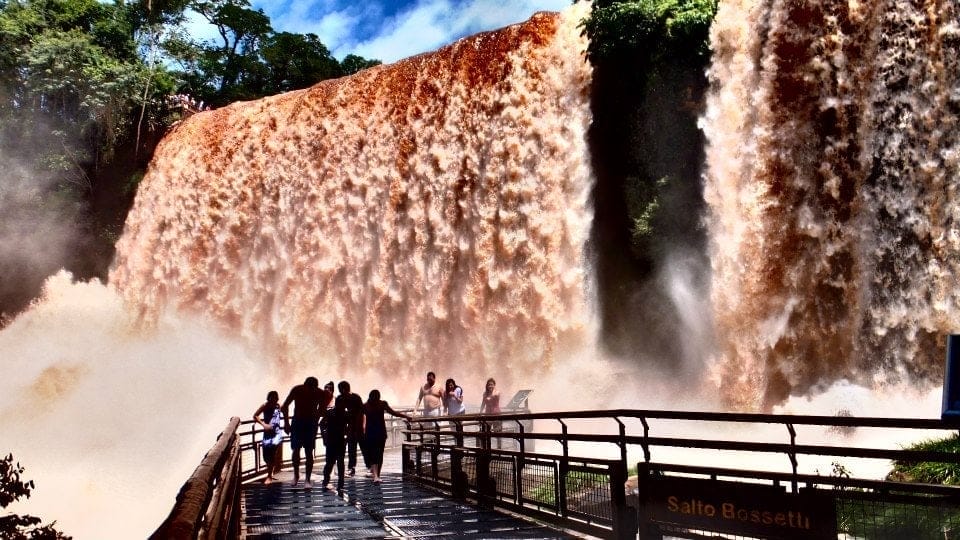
x=308 y=468
x=375 y=469
x=273 y=468
x=296 y=465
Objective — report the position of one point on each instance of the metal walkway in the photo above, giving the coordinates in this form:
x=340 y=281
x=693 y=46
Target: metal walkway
x=394 y=509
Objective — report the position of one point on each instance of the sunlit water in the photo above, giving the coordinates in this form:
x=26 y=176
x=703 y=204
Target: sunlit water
x=433 y=215
x=833 y=168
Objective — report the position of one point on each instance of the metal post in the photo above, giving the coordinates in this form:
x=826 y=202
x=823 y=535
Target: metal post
x=521 y=441
x=458 y=438
x=623 y=442
x=645 y=444
x=458 y=478
x=563 y=470
x=793 y=456
x=484 y=483
x=624 y=518
x=646 y=528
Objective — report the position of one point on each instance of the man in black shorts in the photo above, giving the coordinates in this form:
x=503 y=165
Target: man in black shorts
x=309 y=403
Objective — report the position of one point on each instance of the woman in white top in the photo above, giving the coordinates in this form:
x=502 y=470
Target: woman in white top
x=453 y=399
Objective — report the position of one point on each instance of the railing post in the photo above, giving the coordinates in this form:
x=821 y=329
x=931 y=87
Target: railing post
x=458 y=437
x=483 y=438
x=458 y=478
x=623 y=442
x=563 y=470
x=624 y=518
x=518 y=480
x=646 y=437
x=646 y=529
x=793 y=456
x=486 y=486
x=521 y=442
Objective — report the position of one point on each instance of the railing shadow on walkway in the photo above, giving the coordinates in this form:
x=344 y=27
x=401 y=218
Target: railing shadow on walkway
x=570 y=469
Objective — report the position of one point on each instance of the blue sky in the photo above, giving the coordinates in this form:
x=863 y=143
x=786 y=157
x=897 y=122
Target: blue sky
x=389 y=30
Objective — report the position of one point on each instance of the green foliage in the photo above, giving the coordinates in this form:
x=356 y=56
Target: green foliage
x=930 y=472
x=656 y=27
x=576 y=483
x=903 y=520
x=13 y=488
x=649 y=57
x=894 y=521
x=643 y=202
x=297 y=61
x=352 y=63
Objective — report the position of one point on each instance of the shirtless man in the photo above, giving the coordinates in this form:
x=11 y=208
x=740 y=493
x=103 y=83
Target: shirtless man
x=431 y=395
x=309 y=403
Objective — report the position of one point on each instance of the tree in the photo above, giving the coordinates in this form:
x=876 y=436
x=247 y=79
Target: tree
x=13 y=488
x=70 y=80
x=233 y=67
x=352 y=63
x=655 y=27
x=297 y=61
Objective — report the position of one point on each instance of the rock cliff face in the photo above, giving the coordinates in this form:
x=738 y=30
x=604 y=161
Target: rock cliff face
x=424 y=214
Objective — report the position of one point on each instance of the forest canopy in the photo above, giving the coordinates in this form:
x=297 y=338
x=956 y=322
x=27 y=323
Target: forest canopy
x=87 y=89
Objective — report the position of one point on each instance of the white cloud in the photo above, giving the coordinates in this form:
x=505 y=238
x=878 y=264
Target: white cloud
x=358 y=28
x=431 y=24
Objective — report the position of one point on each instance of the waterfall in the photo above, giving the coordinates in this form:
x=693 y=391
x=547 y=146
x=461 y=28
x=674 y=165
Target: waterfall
x=421 y=215
x=832 y=177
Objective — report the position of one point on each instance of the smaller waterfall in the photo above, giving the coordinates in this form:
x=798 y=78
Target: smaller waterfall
x=833 y=166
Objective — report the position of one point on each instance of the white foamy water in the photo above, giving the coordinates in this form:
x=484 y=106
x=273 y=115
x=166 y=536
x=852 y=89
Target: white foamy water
x=108 y=417
x=832 y=174
x=428 y=214
x=433 y=215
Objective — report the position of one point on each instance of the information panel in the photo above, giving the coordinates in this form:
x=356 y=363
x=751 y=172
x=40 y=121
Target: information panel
x=763 y=511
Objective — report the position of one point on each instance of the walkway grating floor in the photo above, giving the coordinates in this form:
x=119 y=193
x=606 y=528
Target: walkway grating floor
x=393 y=509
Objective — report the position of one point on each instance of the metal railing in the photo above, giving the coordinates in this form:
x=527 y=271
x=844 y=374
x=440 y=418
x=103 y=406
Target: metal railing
x=250 y=434
x=576 y=477
x=568 y=482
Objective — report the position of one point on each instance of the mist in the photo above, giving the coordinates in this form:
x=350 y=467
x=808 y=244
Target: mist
x=38 y=230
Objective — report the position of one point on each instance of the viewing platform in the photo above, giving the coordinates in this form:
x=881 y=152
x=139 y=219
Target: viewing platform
x=619 y=474
x=393 y=509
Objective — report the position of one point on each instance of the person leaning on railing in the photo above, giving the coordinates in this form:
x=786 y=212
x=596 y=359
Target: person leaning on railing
x=375 y=431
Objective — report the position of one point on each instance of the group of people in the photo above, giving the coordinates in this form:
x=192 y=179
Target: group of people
x=448 y=401
x=345 y=422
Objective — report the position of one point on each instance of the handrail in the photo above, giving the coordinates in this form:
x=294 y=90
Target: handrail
x=791 y=448
x=436 y=448
x=700 y=416
x=206 y=504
